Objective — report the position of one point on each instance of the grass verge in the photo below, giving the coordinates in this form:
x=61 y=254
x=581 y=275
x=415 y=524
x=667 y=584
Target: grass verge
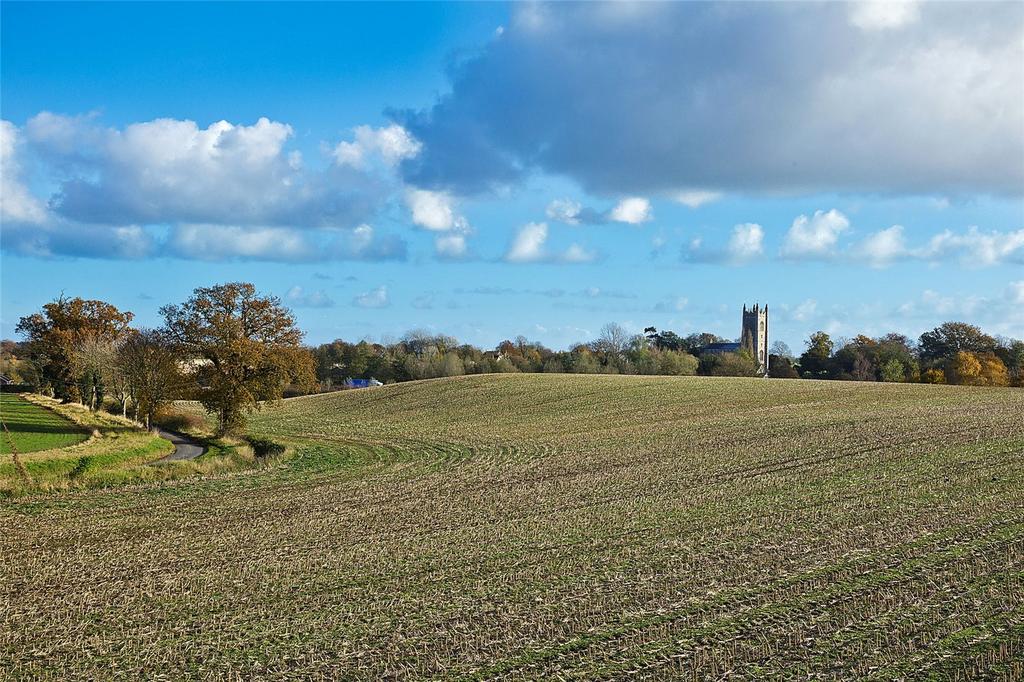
x=119 y=452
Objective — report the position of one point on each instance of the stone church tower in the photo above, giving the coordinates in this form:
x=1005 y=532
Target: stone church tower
x=754 y=336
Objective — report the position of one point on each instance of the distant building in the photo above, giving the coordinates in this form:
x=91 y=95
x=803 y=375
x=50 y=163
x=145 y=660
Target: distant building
x=753 y=338
x=718 y=348
x=361 y=383
x=755 y=335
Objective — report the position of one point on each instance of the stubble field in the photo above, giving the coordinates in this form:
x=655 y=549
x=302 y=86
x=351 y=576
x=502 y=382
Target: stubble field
x=552 y=527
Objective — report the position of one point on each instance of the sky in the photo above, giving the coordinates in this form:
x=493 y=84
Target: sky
x=488 y=170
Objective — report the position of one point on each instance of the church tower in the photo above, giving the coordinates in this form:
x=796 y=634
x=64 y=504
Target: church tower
x=754 y=336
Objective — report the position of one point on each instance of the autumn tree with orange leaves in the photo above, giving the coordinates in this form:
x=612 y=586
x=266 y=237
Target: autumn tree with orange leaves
x=60 y=340
x=240 y=348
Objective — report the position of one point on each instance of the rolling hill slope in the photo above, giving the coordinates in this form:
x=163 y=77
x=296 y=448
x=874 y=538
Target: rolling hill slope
x=541 y=526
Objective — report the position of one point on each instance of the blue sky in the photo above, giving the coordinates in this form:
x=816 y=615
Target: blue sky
x=488 y=170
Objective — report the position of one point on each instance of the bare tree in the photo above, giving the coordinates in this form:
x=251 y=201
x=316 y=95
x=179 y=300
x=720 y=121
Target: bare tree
x=781 y=348
x=614 y=339
x=94 y=356
x=153 y=373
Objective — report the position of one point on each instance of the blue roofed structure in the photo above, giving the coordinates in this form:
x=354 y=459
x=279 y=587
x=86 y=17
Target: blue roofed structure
x=717 y=348
x=361 y=383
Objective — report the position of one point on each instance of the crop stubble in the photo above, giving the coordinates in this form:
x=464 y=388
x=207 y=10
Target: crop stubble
x=553 y=527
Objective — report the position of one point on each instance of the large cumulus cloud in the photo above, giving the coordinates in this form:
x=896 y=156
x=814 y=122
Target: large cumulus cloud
x=763 y=97
x=173 y=187
x=170 y=170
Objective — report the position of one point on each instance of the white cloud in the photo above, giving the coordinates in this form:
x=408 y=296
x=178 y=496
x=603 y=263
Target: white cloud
x=872 y=15
x=58 y=238
x=805 y=310
x=883 y=247
x=130 y=242
x=169 y=171
x=658 y=243
x=299 y=298
x=966 y=306
x=362 y=238
x=996 y=314
x=220 y=242
x=433 y=210
x=747 y=242
x=17 y=205
x=696 y=198
x=528 y=244
x=578 y=254
x=375 y=298
x=65 y=136
x=224 y=191
x=806 y=102
x=565 y=210
x=815 y=237
x=975 y=248
x=392 y=144
x=451 y=245
x=282 y=244
x=632 y=210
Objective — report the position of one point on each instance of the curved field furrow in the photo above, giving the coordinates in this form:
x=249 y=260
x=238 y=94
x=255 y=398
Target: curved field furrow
x=551 y=527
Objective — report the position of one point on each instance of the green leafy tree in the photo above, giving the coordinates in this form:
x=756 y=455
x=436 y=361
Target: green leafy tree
x=945 y=341
x=892 y=371
x=898 y=347
x=676 y=363
x=781 y=367
x=739 y=364
x=856 y=360
x=816 y=361
x=693 y=343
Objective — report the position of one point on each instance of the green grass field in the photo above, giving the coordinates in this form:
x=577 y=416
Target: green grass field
x=552 y=527
x=34 y=428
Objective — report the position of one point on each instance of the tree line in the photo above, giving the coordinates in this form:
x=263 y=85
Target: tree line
x=231 y=349
x=953 y=353
x=226 y=346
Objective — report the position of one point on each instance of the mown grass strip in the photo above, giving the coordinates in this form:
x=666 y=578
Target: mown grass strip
x=34 y=428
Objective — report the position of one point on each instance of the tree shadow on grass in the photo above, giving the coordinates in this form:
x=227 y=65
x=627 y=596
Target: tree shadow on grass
x=15 y=428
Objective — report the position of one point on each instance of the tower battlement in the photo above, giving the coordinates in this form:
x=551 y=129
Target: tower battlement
x=754 y=335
